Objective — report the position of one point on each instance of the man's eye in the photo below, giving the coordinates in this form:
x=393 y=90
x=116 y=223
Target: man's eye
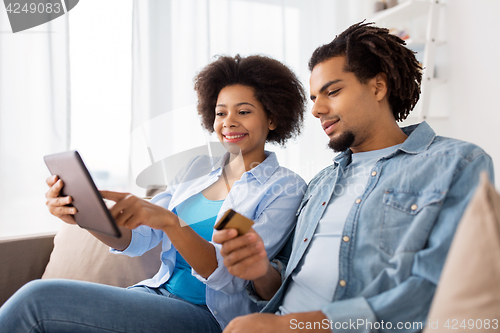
x=334 y=92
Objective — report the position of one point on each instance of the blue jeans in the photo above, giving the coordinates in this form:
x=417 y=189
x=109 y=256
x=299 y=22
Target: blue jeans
x=74 y=306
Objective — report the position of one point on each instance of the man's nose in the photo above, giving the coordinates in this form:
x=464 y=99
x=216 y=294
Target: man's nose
x=319 y=108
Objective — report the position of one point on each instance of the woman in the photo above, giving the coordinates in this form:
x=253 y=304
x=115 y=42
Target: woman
x=246 y=102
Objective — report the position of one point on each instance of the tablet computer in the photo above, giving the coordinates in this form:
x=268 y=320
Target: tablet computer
x=92 y=212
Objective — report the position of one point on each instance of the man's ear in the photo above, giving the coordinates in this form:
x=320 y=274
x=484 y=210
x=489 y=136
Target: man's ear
x=380 y=82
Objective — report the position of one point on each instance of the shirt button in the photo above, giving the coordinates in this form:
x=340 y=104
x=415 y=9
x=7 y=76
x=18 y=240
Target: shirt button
x=345 y=238
x=305 y=239
x=215 y=312
x=374 y=173
x=414 y=207
x=358 y=201
x=342 y=283
x=324 y=203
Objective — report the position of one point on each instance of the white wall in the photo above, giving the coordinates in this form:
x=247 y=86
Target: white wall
x=469 y=64
x=463 y=107
x=472 y=28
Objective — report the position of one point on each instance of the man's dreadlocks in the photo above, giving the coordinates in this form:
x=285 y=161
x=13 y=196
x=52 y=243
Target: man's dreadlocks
x=370 y=50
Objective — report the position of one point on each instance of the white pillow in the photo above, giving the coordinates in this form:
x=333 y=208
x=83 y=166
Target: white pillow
x=467 y=298
x=80 y=256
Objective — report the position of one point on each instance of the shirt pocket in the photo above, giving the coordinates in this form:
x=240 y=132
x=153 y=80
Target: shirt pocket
x=408 y=219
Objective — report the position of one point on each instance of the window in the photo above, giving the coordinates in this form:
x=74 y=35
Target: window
x=100 y=62
x=39 y=86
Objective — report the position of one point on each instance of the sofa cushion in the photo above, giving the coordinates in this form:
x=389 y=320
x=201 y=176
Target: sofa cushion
x=468 y=292
x=78 y=255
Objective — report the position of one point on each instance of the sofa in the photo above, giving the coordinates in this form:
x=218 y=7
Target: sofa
x=22 y=260
x=72 y=253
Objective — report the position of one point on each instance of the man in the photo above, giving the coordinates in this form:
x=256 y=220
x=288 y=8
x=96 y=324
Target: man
x=374 y=228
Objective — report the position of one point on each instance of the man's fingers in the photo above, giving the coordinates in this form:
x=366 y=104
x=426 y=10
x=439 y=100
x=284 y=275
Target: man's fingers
x=222 y=236
x=239 y=242
x=243 y=253
x=242 y=267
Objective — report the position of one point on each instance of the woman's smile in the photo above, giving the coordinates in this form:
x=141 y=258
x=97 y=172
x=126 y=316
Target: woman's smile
x=234 y=137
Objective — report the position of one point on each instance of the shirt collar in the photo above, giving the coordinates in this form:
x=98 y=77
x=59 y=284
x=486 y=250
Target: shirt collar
x=261 y=172
x=420 y=137
x=344 y=158
x=266 y=169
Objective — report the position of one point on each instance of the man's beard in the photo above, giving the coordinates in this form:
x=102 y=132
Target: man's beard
x=344 y=141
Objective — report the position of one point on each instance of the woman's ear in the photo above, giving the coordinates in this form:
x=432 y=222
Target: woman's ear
x=272 y=125
x=380 y=86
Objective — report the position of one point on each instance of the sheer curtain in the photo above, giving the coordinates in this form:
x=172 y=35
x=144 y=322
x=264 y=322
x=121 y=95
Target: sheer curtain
x=174 y=39
x=34 y=105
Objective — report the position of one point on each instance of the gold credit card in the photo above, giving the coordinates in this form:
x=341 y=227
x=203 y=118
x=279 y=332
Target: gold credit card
x=232 y=219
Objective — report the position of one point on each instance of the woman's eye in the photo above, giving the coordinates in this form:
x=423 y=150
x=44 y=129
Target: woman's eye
x=244 y=112
x=219 y=114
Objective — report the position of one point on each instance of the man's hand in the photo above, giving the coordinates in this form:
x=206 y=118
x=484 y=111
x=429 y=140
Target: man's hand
x=244 y=256
x=131 y=212
x=315 y=321
x=57 y=205
x=258 y=323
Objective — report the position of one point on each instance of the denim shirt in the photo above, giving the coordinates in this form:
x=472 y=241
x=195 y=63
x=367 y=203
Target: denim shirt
x=397 y=233
x=268 y=194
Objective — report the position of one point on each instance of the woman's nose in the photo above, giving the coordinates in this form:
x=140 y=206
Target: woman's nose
x=230 y=120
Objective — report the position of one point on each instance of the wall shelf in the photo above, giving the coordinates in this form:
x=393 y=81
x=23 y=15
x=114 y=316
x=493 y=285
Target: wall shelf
x=407 y=12
x=404 y=11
